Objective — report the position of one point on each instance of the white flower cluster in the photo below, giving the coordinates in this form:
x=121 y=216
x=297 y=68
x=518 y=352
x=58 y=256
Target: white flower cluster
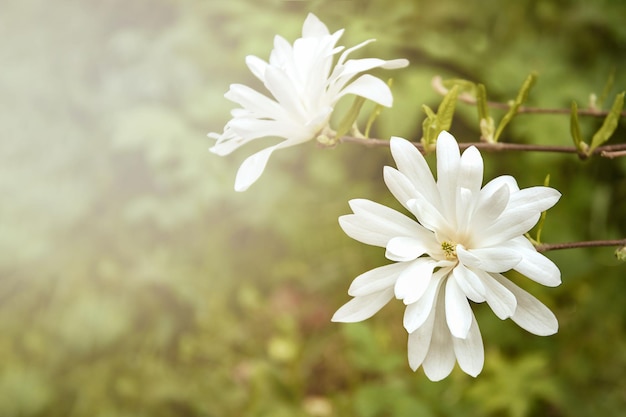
x=463 y=237
x=305 y=88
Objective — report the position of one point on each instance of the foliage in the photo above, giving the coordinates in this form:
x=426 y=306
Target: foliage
x=135 y=282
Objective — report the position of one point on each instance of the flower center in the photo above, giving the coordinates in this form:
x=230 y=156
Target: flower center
x=449 y=249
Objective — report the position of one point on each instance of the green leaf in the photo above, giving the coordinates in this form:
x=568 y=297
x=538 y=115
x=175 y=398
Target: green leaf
x=442 y=120
x=522 y=95
x=445 y=112
x=348 y=120
x=428 y=127
x=610 y=123
x=607 y=88
x=575 y=130
x=481 y=102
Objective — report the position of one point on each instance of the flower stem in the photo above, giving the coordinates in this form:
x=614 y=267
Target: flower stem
x=544 y=247
x=607 y=151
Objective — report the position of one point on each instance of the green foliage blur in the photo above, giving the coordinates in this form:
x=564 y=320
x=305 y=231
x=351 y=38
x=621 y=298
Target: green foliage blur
x=135 y=282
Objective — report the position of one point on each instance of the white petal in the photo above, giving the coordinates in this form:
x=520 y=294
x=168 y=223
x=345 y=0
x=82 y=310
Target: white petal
x=375 y=280
x=534 y=199
x=440 y=358
x=399 y=185
x=470 y=283
x=252 y=168
x=402 y=249
x=412 y=164
x=282 y=87
x=470 y=352
x=530 y=313
x=458 y=311
x=254 y=101
x=534 y=265
x=257 y=66
x=489 y=206
x=395 y=63
x=419 y=342
x=362 y=308
x=413 y=281
x=371 y=88
x=313 y=26
x=375 y=224
x=521 y=214
x=416 y=313
x=429 y=216
x=500 y=299
x=448 y=161
x=494 y=259
x=471 y=170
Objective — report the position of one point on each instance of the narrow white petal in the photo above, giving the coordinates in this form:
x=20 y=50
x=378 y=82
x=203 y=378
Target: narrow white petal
x=313 y=26
x=403 y=249
x=414 y=279
x=494 y=259
x=362 y=308
x=429 y=216
x=469 y=282
x=369 y=87
x=257 y=66
x=283 y=89
x=252 y=168
x=412 y=164
x=416 y=313
x=458 y=311
x=255 y=102
x=375 y=280
x=534 y=265
x=498 y=182
x=511 y=224
x=471 y=170
x=489 y=206
x=534 y=199
x=440 y=358
x=419 y=342
x=530 y=313
x=375 y=224
x=395 y=63
x=500 y=299
x=521 y=214
x=470 y=352
x=448 y=160
x=399 y=185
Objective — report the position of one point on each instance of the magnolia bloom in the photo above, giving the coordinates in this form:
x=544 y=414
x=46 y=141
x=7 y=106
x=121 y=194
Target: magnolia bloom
x=464 y=238
x=304 y=86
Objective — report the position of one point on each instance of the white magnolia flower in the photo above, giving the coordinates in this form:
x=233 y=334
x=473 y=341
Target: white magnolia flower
x=465 y=236
x=305 y=87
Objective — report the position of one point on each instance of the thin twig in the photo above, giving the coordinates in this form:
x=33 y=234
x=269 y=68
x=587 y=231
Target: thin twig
x=437 y=84
x=613 y=154
x=607 y=151
x=544 y=247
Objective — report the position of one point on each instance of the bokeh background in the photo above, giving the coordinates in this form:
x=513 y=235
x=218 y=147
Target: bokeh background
x=135 y=282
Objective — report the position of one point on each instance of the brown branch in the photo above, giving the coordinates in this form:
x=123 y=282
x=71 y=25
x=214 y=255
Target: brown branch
x=543 y=247
x=437 y=84
x=607 y=151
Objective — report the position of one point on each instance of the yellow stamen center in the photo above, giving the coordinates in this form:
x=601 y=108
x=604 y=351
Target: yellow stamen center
x=449 y=248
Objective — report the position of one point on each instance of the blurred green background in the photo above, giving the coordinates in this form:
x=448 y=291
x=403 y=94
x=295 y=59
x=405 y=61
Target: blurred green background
x=135 y=282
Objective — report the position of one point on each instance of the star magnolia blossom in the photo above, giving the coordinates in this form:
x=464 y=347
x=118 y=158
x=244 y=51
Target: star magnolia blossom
x=304 y=91
x=465 y=236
